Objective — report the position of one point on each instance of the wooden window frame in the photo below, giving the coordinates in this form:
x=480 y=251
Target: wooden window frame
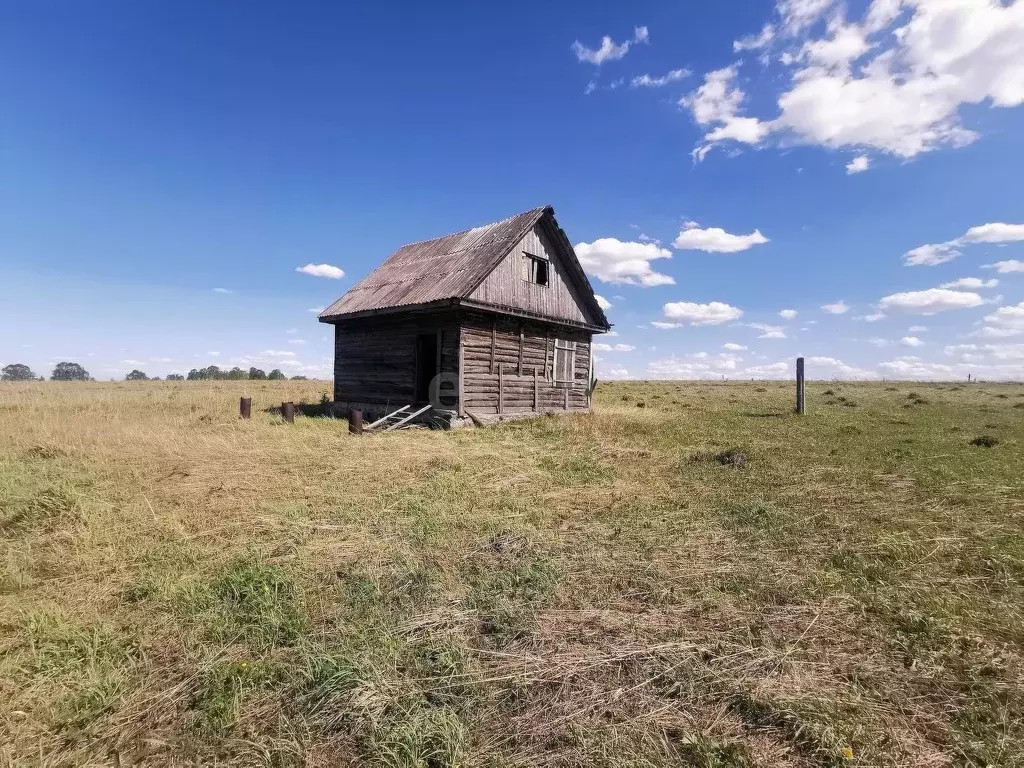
x=531 y=271
x=566 y=347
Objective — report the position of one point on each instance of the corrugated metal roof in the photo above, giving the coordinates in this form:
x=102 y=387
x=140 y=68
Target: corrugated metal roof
x=449 y=267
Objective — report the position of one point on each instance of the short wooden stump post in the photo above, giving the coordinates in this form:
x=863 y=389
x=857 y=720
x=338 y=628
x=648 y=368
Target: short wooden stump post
x=245 y=407
x=355 y=422
x=288 y=412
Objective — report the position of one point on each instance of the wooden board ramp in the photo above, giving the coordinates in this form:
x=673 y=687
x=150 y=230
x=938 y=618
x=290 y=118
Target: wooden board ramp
x=396 y=419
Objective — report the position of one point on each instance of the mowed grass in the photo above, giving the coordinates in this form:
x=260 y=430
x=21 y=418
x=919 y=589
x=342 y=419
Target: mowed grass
x=690 y=576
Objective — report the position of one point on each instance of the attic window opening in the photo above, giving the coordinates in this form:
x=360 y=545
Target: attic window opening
x=535 y=269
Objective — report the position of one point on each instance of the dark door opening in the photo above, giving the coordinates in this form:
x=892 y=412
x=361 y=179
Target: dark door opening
x=426 y=365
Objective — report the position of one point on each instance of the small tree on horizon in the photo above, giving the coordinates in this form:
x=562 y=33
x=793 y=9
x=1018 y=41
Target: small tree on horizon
x=175 y=377
x=136 y=375
x=69 y=372
x=255 y=374
x=17 y=372
x=276 y=375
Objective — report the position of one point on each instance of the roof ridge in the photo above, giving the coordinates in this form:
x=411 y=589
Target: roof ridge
x=479 y=226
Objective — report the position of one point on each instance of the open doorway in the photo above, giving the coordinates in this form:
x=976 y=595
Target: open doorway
x=426 y=365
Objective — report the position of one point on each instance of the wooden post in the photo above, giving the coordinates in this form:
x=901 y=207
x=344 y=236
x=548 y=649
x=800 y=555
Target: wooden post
x=493 y=332
x=567 y=397
x=245 y=407
x=520 y=349
x=462 y=369
x=535 y=388
x=355 y=422
x=800 y=386
x=501 y=389
x=547 y=354
x=288 y=412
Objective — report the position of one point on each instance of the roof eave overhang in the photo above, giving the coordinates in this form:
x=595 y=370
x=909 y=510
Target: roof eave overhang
x=468 y=304
x=398 y=309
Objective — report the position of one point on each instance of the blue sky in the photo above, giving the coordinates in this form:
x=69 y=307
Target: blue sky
x=165 y=169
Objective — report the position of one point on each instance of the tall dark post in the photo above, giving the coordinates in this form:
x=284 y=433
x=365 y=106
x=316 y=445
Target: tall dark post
x=800 y=386
x=355 y=422
x=288 y=412
x=245 y=407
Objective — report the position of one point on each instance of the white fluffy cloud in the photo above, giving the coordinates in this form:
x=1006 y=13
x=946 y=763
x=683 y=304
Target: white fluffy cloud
x=222 y=290
x=697 y=366
x=755 y=42
x=1005 y=267
x=615 y=372
x=1005 y=321
x=787 y=314
x=799 y=14
x=713 y=313
x=911 y=341
x=602 y=302
x=930 y=302
x=733 y=347
x=601 y=347
x=839 y=308
x=859 y=164
x=970 y=283
x=322 y=270
x=816 y=368
x=981 y=365
x=894 y=80
x=717 y=105
x=931 y=255
x=609 y=50
x=715 y=239
x=939 y=253
x=646 y=81
x=768 y=331
x=614 y=261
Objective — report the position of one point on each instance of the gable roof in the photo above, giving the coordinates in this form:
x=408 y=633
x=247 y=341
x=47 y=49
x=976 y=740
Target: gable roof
x=451 y=268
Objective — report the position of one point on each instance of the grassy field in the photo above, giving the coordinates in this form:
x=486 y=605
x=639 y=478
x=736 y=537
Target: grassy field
x=690 y=576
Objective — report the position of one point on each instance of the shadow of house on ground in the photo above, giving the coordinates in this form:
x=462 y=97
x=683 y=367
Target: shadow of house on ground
x=326 y=410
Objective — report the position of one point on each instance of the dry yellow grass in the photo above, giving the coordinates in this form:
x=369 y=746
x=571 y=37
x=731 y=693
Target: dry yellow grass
x=179 y=585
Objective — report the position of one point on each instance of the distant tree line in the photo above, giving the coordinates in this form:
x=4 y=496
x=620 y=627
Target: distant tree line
x=213 y=373
x=75 y=372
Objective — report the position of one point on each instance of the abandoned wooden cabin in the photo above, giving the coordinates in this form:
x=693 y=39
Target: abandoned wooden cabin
x=488 y=323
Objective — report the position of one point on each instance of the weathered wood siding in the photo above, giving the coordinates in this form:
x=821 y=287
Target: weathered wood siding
x=506 y=286
x=513 y=361
x=375 y=358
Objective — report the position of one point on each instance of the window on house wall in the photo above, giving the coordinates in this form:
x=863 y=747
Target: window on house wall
x=535 y=270
x=565 y=360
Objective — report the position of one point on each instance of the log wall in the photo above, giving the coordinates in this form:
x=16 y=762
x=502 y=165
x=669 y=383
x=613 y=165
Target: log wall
x=375 y=358
x=513 y=361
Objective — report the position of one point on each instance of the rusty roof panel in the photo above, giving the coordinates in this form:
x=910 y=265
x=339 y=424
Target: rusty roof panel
x=448 y=267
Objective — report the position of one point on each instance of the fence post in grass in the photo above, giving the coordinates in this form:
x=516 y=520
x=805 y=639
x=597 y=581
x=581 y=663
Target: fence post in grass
x=288 y=412
x=245 y=407
x=355 y=422
x=800 y=386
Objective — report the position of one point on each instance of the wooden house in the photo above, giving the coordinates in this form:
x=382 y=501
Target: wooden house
x=488 y=323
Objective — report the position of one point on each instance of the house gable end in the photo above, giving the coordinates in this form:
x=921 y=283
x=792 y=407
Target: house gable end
x=567 y=294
